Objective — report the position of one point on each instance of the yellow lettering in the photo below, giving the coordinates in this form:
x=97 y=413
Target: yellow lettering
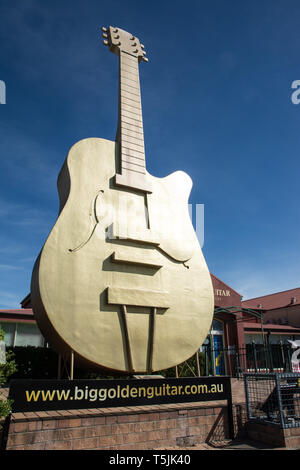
x=32 y=396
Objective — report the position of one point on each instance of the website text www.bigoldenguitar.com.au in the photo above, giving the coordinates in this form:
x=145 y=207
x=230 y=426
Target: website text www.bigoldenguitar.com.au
x=102 y=394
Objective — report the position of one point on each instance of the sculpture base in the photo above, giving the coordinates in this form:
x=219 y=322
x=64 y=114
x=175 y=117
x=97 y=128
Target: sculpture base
x=139 y=427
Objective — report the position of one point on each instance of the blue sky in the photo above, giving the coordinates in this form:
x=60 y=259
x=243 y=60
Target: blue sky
x=216 y=98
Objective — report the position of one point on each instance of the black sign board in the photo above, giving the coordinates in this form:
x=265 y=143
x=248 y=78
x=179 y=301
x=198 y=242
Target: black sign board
x=44 y=395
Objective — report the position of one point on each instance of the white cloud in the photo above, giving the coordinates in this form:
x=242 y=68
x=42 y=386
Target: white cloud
x=264 y=281
x=9 y=300
x=10 y=267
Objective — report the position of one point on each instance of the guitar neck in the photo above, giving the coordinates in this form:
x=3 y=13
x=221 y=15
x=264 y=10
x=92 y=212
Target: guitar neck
x=130 y=135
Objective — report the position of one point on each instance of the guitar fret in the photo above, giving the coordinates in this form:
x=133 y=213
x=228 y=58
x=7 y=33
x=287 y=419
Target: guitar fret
x=133 y=117
x=129 y=59
x=125 y=56
x=137 y=138
x=133 y=137
x=129 y=89
x=133 y=159
x=130 y=68
x=130 y=64
x=137 y=162
x=132 y=109
x=130 y=77
x=131 y=128
x=133 y=104
x=129 y=96
x=132 y=73
x=132 y=167
x=125 y=81
x=130 y=133
x=132 y=122
x=132 y=153
x=133 y=146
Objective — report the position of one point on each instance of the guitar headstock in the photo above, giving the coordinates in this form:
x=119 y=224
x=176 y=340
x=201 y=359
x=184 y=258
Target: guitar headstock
x=119 y=40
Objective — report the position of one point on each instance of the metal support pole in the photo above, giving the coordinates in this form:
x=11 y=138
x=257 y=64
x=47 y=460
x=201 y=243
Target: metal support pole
x=270 y=352
x=198 y=364
x=236 y=355
x=288 y=352
x=72 y=366
x=254 y=355
x=246 y=382
x=278 y=392
x=212 y=356
x=206 y=362
x=264 y=343
x=282 y=356
x=230 y=411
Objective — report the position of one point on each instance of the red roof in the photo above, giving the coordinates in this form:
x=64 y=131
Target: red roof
x=219 y=280
x=18 y=311
x=279 y=299
x=274 y=328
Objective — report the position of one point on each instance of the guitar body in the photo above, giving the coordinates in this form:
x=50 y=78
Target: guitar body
x=121 y=280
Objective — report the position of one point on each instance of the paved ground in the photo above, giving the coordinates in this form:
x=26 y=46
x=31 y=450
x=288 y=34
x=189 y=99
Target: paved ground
x=245 y=444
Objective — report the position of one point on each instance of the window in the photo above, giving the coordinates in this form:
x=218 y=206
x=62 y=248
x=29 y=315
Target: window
x=217 y=327
x=28 y=334
x=256 y=338
x=9 y=330
x=22 y=334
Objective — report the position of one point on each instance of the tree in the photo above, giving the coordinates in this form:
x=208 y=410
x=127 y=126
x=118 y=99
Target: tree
x=5 y=371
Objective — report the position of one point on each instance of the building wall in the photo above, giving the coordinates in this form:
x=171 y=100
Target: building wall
x=284 y=315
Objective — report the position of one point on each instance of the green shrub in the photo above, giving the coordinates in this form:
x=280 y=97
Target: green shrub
x=6 y=370
x=187 y=368
x=42 y=363
x=34 y=362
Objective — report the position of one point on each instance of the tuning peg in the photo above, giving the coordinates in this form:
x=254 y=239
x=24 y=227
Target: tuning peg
x=142 y=46
x=104 y=35
x=145 y=59
x=144 y=52
x=105 y=43
x=104 y=29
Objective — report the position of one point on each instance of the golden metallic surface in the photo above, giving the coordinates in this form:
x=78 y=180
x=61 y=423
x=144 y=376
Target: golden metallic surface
x=121 y=279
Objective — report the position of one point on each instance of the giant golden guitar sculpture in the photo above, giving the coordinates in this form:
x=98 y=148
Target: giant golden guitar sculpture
x=121 y=281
